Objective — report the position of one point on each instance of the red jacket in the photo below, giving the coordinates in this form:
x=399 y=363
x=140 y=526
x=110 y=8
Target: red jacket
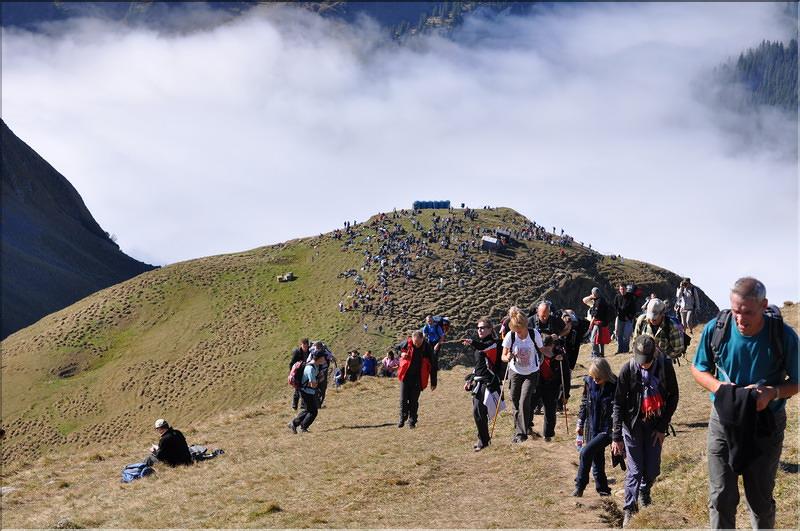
x=429 y=364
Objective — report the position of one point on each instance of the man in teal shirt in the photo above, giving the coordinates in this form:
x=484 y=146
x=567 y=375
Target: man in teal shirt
x=745 y=358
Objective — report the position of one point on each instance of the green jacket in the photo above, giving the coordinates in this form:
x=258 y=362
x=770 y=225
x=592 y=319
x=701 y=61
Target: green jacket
x=668 y=338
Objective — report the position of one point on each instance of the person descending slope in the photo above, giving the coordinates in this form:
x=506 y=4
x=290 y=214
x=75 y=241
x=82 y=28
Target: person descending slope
x=485 y=382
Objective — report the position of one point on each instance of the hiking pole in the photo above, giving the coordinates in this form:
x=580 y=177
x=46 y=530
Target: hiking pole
x=564 y=391
x=499 y=400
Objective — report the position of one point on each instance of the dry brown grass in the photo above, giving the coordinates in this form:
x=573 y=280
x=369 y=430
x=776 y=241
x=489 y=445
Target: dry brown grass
x=357 y=469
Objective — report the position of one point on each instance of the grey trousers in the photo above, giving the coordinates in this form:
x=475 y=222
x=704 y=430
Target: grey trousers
x=758 y=478
x=522 y=388
x=687 y=319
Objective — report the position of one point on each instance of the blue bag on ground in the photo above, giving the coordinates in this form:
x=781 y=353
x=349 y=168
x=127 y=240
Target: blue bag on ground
x=136 y=471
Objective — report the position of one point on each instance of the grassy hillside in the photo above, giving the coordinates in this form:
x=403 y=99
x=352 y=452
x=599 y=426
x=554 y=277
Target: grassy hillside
x=357 y=469
x=213 y=335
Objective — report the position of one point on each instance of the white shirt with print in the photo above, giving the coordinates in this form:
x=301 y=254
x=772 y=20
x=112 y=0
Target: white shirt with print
x=527 y=359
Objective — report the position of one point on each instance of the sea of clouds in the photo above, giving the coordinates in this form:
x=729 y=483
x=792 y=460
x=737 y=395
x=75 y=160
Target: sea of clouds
x=205 y=135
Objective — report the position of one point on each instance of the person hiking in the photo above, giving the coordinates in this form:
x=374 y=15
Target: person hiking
x=322 y=375
x=600 y=313
x=486 y=379
x=594 y=426
x=521 y=352
x=547 y=324
x=625 y=305
x=748 y=361
x=644 y=402
x=575 y=330
x=171 y=448
x=298 y=354
x=553 y=374
x=418 y=362
x=433 y=332
x=370 y=365
x=352 y=366
x=545 y=321
x=655 y=323
x=687 y=303
x=309 y=388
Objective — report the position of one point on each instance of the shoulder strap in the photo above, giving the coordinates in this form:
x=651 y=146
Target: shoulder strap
x=723 y=320
x=513 y=338
x=775 y=328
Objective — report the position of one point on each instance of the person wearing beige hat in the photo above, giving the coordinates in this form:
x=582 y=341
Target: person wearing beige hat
x=655 y=323
x=171 y=448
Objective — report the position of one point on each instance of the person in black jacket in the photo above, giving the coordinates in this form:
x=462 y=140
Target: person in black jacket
x=554 y=374
x=171 y=449
x=595 y=420
x=298 y=354
x=575 y=330
x=645 y=400
x=625 y=306
x=601 y=314
x=486 y=379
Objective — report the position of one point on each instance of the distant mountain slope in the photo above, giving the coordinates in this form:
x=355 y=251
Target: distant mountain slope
x=206 y=336
x=53 y=251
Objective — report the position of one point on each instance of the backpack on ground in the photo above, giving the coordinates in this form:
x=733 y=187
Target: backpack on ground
x=774 y=324
x=296 y=374
x=201 y=453
x=135 y=471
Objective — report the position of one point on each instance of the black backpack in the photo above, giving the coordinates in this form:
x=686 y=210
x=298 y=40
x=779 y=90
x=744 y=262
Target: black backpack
x=774 y=324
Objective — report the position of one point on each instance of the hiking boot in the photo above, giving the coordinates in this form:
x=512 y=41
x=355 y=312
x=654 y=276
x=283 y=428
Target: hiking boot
x=627 y=514
x=578 y=492
x=478 y=446
x=412 y=424
x=644 y=498
x=401 y=423
x=604 y=492
x=304 y=430
x=548 y=439
x=292 y=427
x=519 y=439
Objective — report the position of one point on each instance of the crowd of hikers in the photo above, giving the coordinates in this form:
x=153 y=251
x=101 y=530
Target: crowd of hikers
x=747 y=357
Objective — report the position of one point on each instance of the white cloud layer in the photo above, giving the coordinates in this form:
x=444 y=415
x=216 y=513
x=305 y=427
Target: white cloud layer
x=281 y=124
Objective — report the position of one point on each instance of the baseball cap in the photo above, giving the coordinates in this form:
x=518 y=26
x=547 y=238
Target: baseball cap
x=644 y=349
x=161 y=423
x=655 y=307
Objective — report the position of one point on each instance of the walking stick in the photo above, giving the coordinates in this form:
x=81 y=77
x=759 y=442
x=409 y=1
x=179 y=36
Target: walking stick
x=500 y=399
x=564 y=391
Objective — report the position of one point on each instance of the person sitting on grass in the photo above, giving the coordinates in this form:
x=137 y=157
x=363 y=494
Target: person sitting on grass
x=171 y=448
x=369 y=364
x=389 y=365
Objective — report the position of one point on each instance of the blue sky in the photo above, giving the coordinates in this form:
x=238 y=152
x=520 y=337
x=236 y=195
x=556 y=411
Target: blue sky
x=595 y=118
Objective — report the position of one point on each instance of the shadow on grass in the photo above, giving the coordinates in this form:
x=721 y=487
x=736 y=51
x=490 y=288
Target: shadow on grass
x=696 y=424
x=789 y=468
x=363 y=426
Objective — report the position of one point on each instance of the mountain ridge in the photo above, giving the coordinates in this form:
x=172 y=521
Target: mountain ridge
x=54 y=251
x=217 y=330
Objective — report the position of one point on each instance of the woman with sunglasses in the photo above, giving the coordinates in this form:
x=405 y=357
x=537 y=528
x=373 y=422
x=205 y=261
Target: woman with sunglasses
x=486 y=379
